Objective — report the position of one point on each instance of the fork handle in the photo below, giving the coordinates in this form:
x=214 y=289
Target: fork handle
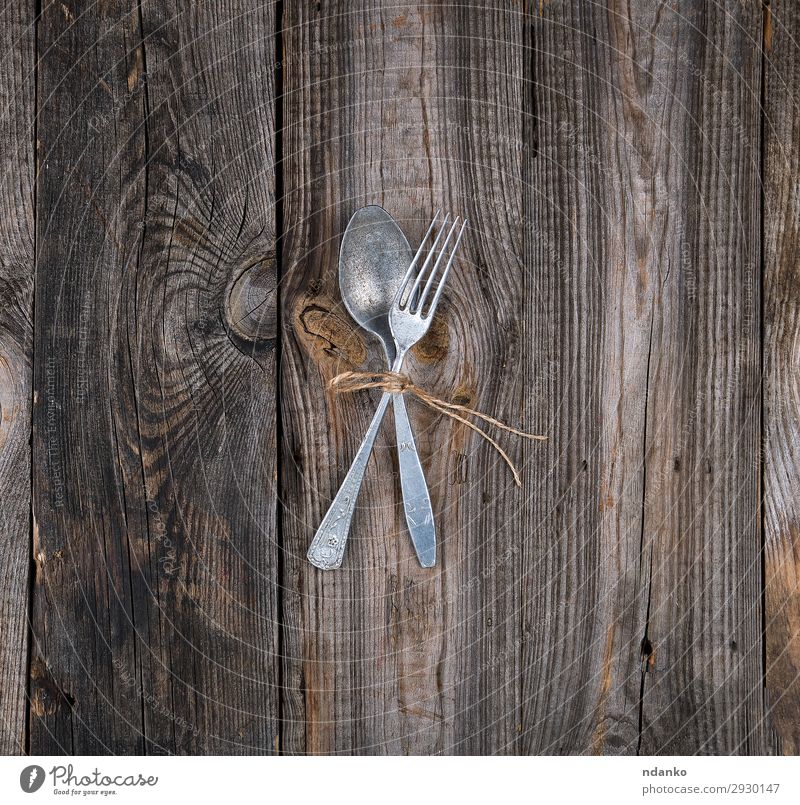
x=416 y=500
x=327 y=548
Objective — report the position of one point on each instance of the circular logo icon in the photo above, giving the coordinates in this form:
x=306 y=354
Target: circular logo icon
x=31 y=779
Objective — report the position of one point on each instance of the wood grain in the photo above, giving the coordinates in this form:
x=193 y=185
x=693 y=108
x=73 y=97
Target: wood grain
x=643 y=202
x=703 y=690
x=643 y=589
x=17 y=108
x=781 y=389
x=400 y=105
x=615 y=331
x=593 y=262
x=155 y=598
x=171 y=316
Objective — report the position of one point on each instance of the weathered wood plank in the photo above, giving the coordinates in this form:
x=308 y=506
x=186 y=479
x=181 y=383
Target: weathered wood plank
x=781 y=371
x=599 y=241
x=155 y=598
x=594 y=189
x=16 y=358
x=87 y=166
x=413 y=107
x=643 y=224
x=702 y=648
x=207 y=403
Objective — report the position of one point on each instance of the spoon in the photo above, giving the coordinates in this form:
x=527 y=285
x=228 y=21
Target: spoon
x=373 y=260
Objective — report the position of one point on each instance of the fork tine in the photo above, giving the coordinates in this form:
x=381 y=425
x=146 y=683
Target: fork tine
x=411 y=267
x=423 y=270
x=432 y=308
x=439 y=258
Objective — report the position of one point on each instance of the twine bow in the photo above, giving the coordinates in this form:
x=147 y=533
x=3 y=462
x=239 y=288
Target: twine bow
x=396 y=383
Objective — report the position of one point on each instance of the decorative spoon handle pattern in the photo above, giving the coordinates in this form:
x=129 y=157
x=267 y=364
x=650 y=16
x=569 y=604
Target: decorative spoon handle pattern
x=327 y=548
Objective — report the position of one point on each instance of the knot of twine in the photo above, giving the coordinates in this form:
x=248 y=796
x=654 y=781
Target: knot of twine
x=396 y=383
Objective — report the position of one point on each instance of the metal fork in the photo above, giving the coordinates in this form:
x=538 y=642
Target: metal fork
x=409 y=318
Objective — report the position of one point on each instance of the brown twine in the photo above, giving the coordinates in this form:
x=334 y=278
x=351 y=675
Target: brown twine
x=396 y=383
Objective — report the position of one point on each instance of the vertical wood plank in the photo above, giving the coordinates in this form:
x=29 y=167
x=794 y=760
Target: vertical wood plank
x=781 y=398
x=414 y=107
x=89 y=163
x=155 y=600
x=206 y=402
x=17 y=99
x=643 y=228
x=702 y=648
x=592 y=194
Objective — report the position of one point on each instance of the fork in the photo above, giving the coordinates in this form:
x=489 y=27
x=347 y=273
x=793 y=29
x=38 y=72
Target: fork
x=410 y=317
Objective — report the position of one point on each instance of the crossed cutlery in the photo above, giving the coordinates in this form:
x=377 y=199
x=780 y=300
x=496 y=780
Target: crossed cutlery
x=410 y=316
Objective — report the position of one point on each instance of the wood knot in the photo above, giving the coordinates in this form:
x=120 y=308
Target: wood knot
x=433 y=347
x=327 y=334
x=251 y=310
x=464 y=395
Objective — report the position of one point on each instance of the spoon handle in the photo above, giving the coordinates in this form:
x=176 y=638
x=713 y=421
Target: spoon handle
x=327 y=548
x=416 y=500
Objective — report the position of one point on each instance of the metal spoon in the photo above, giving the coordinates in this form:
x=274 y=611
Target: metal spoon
x=373 y=260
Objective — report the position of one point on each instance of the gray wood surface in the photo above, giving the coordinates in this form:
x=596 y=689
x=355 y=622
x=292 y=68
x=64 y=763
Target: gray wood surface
x=781 y=400
x=154 y=605
x=384 y=656
x=17 y=109
x=703 y=692
x=168 y=445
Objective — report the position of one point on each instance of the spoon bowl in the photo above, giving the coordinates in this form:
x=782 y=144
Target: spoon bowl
x=373 y=261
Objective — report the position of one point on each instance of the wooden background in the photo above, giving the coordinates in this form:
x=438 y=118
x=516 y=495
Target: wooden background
x=175 y=179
